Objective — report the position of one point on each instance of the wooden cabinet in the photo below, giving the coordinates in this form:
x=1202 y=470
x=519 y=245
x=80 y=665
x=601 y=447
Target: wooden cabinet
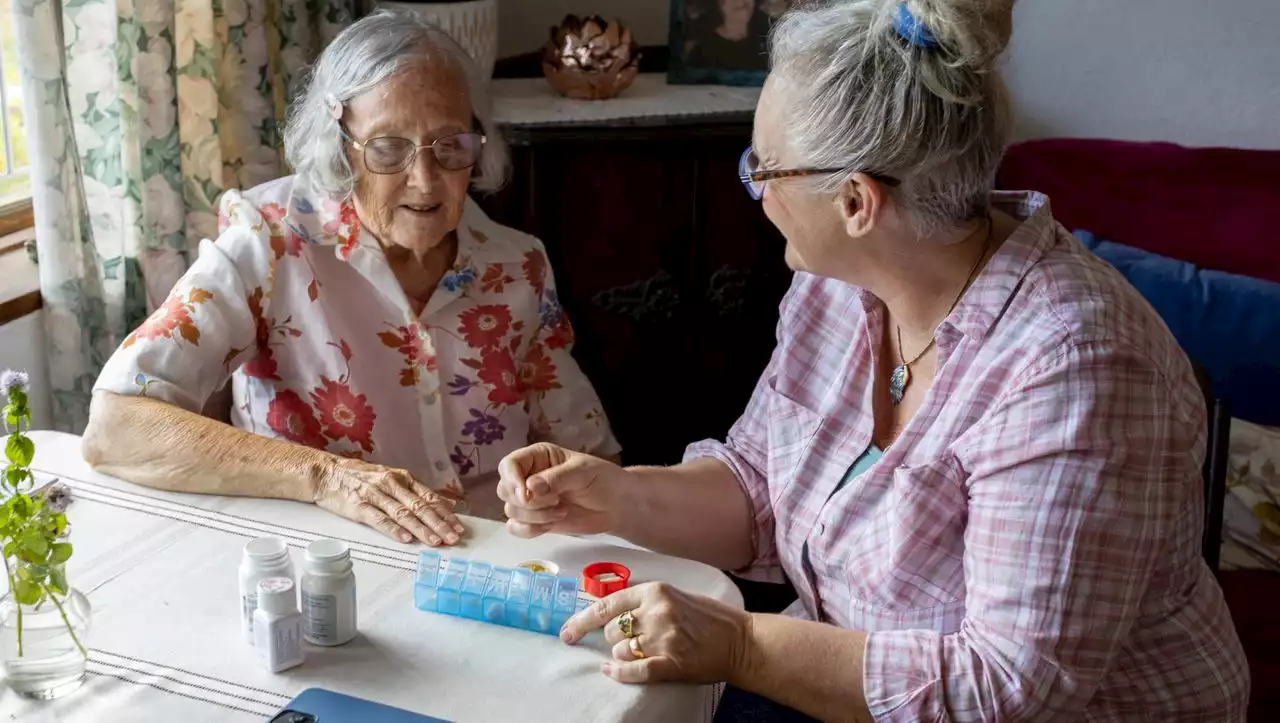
x=669 y=271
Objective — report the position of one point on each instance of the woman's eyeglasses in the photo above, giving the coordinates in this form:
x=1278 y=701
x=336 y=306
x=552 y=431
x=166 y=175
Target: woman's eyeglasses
x=388 y=154
x=754 y=179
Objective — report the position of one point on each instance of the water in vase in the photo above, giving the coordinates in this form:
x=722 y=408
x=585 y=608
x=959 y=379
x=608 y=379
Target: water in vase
x=51 y=664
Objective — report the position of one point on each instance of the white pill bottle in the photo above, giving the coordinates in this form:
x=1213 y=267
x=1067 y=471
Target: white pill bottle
x=263 y=558
x=328 y=594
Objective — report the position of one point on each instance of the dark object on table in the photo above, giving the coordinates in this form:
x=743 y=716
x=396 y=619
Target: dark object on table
x=721 y=41
x=589 y=58
x=317 y=705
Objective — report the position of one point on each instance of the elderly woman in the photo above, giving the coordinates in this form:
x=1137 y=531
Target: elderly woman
x=385 y=342
x=976 y=451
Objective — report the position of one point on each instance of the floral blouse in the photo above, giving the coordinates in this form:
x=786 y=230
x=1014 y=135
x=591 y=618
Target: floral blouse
x=296 y=305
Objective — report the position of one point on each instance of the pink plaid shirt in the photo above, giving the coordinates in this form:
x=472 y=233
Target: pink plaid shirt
x=1029 y=547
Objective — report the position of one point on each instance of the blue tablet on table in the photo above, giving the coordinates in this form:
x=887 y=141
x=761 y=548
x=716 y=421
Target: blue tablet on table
x=316 y=705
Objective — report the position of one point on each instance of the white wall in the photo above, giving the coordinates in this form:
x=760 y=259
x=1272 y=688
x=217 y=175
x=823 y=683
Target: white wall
x=22 y=347
x=1189 y=71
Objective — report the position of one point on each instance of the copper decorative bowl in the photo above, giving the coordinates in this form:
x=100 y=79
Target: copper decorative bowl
x=589 y=58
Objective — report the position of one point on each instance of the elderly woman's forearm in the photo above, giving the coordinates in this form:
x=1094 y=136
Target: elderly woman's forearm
x=812 y=667
x=695 y=510
x=154 y=444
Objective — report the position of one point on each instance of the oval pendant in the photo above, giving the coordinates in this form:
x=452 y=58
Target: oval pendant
x=898 y=382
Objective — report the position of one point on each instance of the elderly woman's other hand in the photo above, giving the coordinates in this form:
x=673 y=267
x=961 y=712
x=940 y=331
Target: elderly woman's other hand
x=548 y=488
x=674 y=635
x=390 y=501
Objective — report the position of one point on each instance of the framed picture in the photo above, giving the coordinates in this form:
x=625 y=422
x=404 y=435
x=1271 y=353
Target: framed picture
x=722 y=42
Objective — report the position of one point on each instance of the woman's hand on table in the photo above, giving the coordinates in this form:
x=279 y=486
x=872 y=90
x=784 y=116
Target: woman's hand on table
x=548 y=488
x=683 y=637
x=389 y=500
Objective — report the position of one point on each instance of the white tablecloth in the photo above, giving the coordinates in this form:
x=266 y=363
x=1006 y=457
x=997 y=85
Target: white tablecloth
x=160 y=571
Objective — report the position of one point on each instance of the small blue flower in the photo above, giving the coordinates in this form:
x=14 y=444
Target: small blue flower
x=458 y=278
x=142 y=381
x=550 y=312
x=301 y=232
x=461 y=460
x=303 y=205
x=460 y=385
x=11 y=380
x=484 y=428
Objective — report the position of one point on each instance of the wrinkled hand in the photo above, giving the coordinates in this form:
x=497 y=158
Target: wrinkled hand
x=551 y=489
x=389 y=500
x=684 y=637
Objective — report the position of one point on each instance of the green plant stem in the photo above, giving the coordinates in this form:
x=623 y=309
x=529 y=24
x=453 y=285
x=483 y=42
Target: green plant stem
x=13 y=587
x=65 y=620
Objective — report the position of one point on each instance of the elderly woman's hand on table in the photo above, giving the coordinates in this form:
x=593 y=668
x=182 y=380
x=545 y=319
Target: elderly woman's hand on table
x=389 y=500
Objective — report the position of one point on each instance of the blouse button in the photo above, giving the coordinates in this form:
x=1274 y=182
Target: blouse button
x=822 y=528
x=440 y=465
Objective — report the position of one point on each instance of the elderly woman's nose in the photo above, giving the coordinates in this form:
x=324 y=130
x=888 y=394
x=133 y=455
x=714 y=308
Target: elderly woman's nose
x=425 y=170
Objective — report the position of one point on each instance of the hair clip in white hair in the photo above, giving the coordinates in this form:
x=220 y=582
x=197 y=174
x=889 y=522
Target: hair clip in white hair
x=910 y=29
x=334 y=107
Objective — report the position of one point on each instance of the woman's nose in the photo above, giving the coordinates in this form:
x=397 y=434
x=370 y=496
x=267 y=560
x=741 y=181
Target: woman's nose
x=424 y=171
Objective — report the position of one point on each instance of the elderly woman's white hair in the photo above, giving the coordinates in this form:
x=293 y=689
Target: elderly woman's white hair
x=861 y=97
x=363 y=55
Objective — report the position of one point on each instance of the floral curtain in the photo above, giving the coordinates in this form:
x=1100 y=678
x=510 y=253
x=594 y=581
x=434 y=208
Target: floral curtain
x=142 y=113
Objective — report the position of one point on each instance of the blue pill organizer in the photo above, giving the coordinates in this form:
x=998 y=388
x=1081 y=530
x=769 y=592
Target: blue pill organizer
x=510 y=596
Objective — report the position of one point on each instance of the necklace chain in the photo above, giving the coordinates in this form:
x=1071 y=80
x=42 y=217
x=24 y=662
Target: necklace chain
x=906 y=365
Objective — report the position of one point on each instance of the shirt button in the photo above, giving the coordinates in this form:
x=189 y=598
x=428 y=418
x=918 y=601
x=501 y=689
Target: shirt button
x=440 y=465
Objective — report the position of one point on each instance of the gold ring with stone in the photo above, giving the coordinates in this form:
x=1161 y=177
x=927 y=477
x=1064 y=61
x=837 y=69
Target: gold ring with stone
x=636 y=651
x=627 y=624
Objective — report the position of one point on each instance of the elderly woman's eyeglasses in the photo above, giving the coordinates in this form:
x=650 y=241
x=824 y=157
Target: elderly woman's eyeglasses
x=754 y=179
x=388 y=154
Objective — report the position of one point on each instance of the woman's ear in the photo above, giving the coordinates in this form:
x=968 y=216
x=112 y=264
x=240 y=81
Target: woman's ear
x=860 y=201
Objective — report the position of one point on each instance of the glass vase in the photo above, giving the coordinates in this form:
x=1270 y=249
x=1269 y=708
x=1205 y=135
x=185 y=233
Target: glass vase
x=45 y=662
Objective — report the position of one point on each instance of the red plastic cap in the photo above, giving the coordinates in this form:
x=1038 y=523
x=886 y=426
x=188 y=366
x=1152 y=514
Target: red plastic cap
x=601 y=588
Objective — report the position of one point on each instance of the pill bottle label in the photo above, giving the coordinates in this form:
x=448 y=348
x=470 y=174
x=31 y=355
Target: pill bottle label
x=248 y=603
x=320 y=618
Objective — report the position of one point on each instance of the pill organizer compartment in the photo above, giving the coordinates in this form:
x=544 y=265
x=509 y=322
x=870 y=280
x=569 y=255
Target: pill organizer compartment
x=449 y=598
x=514 y=597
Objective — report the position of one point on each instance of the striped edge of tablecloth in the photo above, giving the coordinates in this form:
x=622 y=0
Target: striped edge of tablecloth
x=235 y=697
x=238 y=525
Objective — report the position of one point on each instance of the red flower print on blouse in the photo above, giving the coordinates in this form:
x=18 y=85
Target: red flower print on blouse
x=263 y=365
x=498 y=370
x=343 y=413
x=560 y=337
x=485 y=326
x=345 y=225
x=292 y=418
x=538 y=373
x=173 y=316
x=411 y=342
x=535 y=269
x=495 y=279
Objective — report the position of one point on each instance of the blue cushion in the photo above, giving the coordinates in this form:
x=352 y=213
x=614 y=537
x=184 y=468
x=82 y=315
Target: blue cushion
x=1230 y=324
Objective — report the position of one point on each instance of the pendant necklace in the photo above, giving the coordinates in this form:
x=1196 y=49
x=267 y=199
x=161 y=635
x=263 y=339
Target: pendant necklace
x=901 y=377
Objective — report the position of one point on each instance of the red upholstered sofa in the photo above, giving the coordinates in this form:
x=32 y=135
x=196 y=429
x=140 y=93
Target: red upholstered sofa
x=1215 y=207
x=1218 y=208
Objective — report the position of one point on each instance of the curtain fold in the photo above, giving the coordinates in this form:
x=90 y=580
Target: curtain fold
x=142 y=112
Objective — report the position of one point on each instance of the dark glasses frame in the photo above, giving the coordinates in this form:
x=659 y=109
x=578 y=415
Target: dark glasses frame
x=362 y=146
x=752 y=179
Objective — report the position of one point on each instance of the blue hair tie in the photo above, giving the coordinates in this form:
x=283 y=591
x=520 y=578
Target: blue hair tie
x=912 y=30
